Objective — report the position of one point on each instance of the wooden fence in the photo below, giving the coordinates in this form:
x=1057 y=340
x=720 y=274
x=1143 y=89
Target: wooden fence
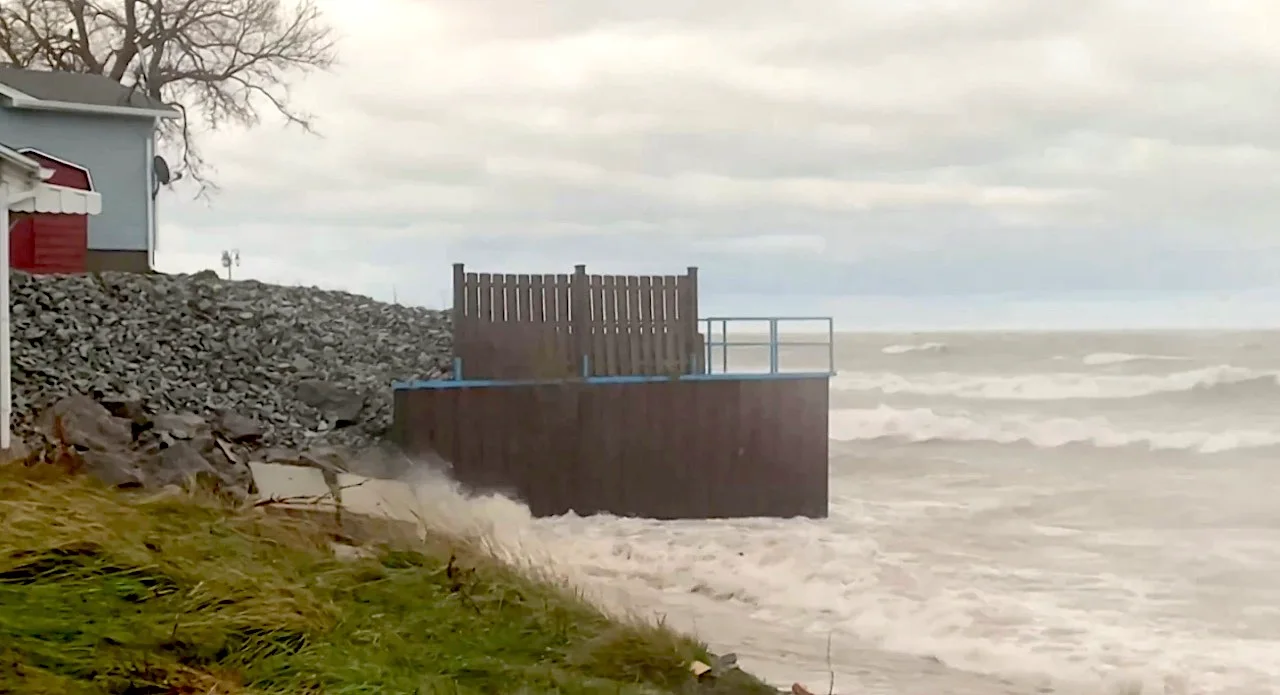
x=663 y=448
x=530 y=326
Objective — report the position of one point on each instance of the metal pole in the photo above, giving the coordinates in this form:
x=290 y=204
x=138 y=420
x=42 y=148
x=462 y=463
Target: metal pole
x=706 y=348
x=724 y=346
x=6 y=356
x=831 y=346
x=773 y=346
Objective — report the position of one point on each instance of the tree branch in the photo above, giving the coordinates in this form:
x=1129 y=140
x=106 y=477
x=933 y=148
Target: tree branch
x=219 y=62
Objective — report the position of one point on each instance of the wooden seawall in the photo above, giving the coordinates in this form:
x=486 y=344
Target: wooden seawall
x=656 y=448
x=598 y=394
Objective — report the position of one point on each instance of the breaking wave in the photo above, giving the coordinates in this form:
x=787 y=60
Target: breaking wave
x=924 y=425
x=1054 y=386
x=864 y=586
x=1099 y=359
x=907 y=349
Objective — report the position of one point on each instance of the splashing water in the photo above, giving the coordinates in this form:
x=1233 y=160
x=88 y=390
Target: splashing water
x=975 y=545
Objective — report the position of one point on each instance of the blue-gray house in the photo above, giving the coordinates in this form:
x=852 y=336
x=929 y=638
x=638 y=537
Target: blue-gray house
x=98 y=125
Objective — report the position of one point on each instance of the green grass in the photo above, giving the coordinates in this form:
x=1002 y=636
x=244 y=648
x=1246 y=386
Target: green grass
x=108 y=592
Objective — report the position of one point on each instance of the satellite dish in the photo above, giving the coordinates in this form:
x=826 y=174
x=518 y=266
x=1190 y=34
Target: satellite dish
x=160 y=174
x=161 y=169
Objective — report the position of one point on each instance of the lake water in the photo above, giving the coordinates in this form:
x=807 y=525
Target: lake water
x=1010 y=513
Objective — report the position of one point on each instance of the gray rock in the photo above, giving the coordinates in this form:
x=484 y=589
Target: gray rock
x=178 y=464
x=129 y=408
x=340 y=406
x=85 y=424
x=116 y=468
x=176 y=449
x=200 y=345
x=238 y=428
x=180 y=425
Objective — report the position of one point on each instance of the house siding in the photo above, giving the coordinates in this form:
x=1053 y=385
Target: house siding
x=115 y=151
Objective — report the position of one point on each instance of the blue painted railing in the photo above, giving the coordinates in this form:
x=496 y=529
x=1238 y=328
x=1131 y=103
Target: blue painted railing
x=468 y=383
x=774 y=342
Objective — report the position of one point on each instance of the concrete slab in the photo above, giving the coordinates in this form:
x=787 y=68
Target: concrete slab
x=387 y=499
x=390 y=501
x=295 y=486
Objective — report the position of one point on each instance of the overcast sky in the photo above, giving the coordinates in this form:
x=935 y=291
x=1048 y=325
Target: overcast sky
x=919 y=163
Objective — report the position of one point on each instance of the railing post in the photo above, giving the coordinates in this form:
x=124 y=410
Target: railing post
x=831 y=345
x=724 y=346
x=706 y=348
x=773 y=345
x=580 y=308
x=457 y=368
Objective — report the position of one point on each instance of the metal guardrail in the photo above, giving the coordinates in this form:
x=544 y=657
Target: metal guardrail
x=774 y=342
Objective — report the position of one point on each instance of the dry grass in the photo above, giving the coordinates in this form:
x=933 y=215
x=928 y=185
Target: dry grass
x=107 y=592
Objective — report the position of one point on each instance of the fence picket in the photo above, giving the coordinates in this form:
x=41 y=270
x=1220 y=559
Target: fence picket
x=670 y=327
x=609 y=294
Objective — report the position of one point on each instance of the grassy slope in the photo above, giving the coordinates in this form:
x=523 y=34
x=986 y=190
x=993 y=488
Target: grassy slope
x=103 y=592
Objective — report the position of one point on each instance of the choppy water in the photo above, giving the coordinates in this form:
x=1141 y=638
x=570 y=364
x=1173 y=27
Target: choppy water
x=1077 y=513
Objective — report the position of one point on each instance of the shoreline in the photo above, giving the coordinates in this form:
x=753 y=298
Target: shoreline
x=781 y=657
x=182 y=592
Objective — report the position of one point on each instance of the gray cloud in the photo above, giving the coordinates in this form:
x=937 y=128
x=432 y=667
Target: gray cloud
x=844 y=149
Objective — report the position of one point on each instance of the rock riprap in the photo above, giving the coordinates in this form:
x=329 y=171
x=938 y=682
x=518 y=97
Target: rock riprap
x=277 y=366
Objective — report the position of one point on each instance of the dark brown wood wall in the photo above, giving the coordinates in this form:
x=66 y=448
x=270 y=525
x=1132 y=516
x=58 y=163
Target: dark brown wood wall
x=663 y=449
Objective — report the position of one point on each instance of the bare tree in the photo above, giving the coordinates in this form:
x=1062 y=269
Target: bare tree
x=219 y=62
